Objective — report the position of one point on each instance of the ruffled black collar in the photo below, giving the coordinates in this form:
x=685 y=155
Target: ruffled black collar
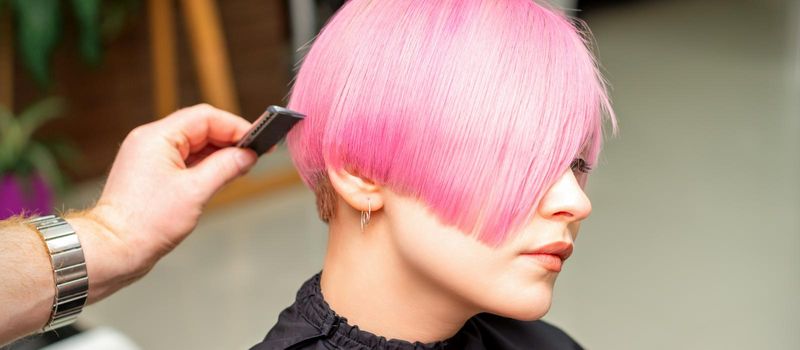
x=316 y=311
x=310 y=324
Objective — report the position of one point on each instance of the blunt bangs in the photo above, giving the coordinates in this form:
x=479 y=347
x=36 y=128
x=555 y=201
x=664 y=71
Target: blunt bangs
x=473 y=107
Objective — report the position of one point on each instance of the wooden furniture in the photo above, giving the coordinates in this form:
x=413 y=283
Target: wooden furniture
x=216 y=84
x=209 y=53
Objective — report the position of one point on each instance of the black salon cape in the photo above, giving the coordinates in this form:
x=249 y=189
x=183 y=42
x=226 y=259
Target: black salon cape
x=310 y=324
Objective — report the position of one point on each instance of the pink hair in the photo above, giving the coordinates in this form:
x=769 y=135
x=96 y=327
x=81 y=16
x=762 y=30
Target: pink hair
x=474 y=107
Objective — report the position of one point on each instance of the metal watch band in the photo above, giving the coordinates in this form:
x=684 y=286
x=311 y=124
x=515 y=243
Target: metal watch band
x=69 y=269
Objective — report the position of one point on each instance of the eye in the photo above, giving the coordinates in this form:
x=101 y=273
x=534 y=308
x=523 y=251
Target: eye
x=580 y=165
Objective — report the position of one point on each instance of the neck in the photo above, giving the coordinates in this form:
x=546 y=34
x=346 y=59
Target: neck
x=367 y=282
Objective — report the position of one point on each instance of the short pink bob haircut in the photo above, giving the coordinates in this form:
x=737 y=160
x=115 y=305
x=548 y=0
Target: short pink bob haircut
x=473 y=107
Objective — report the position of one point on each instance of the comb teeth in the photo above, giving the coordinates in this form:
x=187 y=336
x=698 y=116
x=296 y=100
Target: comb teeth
x=264 y=121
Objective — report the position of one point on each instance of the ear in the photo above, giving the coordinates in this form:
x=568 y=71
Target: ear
x=360 y=193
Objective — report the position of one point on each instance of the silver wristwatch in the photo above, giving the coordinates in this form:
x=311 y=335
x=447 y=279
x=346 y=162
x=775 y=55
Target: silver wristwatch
x=69 y=269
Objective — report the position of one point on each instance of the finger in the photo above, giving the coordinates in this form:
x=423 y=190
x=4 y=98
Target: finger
x=197 y=147
x=193 y=127
x=199 y=155
x=220 y=167
x=201 y=147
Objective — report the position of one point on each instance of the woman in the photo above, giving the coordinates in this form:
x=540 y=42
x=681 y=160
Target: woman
x=448 y=143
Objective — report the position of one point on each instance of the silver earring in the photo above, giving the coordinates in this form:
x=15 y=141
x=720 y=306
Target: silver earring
x=366 y=215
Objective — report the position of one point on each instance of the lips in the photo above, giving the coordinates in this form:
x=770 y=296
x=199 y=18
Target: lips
x=561 y=249
x=552 y=255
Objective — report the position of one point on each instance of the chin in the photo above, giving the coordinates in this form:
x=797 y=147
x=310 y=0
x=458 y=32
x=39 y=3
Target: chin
x=530 y=305
x=529 y=313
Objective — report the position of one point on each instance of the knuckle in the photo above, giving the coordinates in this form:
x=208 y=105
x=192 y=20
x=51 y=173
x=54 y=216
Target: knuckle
x=200 y=108
x=224 y=166
x=138 y=132
x=223 y=170
x=203 y=108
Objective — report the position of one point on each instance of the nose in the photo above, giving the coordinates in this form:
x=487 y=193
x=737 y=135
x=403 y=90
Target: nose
x=565 y=200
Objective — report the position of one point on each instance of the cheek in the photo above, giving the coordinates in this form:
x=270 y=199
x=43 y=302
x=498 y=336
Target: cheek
x=444 y=256
x=441 y=253
x=491 y=280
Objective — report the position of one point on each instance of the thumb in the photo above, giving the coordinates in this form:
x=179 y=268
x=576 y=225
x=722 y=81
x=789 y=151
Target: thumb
x=221 y=167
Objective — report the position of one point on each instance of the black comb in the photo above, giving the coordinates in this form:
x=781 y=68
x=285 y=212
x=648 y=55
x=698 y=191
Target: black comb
x=269 y=129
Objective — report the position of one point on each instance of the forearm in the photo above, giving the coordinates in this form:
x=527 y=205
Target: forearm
x=27 y=286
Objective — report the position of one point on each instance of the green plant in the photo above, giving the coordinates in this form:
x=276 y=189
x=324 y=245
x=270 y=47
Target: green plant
x=38 y=26
x=20 y=154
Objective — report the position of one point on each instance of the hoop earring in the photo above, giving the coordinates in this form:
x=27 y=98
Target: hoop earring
x=366 y=215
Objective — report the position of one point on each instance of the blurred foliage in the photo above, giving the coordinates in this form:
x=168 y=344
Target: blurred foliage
x=39 y=25
x=20 y=154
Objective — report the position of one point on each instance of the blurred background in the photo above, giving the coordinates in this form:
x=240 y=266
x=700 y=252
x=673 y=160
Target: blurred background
x=694 y=242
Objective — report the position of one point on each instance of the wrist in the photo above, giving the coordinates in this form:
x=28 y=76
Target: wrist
x=108 y=260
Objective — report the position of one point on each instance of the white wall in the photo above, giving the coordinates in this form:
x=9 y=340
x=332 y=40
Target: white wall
x=694 y=242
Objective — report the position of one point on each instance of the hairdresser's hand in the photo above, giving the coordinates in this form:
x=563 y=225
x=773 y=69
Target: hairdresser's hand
x=163 y=175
